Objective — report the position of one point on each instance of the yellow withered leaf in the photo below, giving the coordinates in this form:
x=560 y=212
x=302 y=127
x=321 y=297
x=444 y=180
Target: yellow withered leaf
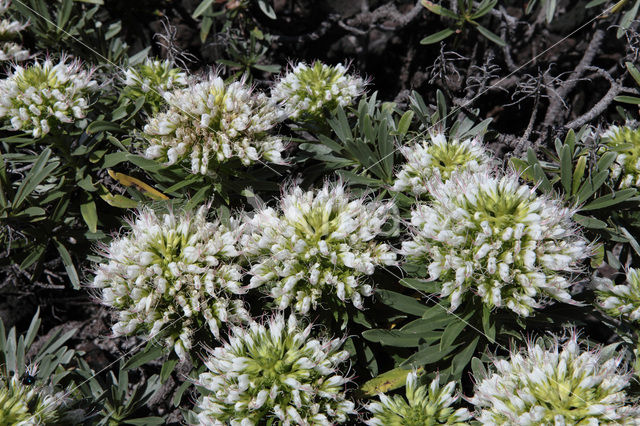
x=127 y=180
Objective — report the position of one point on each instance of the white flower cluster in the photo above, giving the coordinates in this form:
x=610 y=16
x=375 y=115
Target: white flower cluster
x=423 y=406
x=494 y=237
x=44 y=95
x=274 y=371
x=562 y=385
x=626 y=142
x=29 y=405
x=173 y=273
x=439 y=158
x=317 y=247
x=152 y=79
x=311 y=92
x=620 y=300
x=10 y=48
x=211 y=122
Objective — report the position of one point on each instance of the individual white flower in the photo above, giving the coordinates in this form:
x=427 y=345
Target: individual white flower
x=44 y=95
x=495 y=238
x=317 y=247
x=152 y=79
x=625 y=141
x=562 y=385
x=173 y=273
x=424 y=405
x=439 y=157
x=10 y=48
x=310 y=92
x=29 y=404
x=620 y=300
x=211 y=122
x=274 y=371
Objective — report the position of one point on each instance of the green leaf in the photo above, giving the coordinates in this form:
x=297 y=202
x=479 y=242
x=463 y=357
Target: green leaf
x=450 y=333
x=491 y=36
x=119 y=201
x=39 y=172
x=632 y=241
x=627 y=19
x=266 y=8
x=202 y=8
x=143 y=421
x=405 y=122
x=385 y=382
x=606 y=160
x=401 y=302
x=439 y=10
x=589 y=222
x=578 y=173
x=628 y=99
x=421 y=285
x=634 y=72
x=103 y=126
x=436 y=37
x=90 y=215
x=397 y=338
x=484 y=8
x=429 y=355
x=462 y=358
x=64 y=13
x=566 y=169
x=488 y=326
x=610 y=199
x=68 y=263
x=149 y=353
x=167 y=368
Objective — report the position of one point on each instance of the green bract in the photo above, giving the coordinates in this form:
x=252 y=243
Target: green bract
x=424 y=406
x=309 y=93
x=211 y=122
x=620 y=300
x=274 y=373
x=439 y=158
x=625 y=141
x=317 y=247
x=173 y=273
x=560 y=385
x=152 y=79
x=45 y=95
x=494 y=237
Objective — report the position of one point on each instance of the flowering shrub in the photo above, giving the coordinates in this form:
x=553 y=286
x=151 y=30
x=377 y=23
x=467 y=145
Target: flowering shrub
x=620 y=300
x=439 y=158
x=625 y=141
x=152 y=79
x=211 y=122
x=495 y=237
x=423 y=406
x=311 y=92
x=173 y=272
x=274 y=371
x=44 y=95
x=317 y=247
x=559 y=385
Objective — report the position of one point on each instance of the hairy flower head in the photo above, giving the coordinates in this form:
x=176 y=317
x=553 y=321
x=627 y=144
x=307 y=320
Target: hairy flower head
x=625 y=142
x=560 y=385
x=45 y=95
x=274 y=371
x=310 y=92
x=423 y=406
x=29 y=404
x=211 y=122
x=439 y=157
x=495 y=237
x=10 y=47
x=152 y=79
x=620 y=300
x=318 y=246
x=173 y=272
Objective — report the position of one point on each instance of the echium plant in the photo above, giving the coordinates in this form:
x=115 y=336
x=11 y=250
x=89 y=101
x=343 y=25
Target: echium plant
x=559 y=385
x=493 y=237
x=625 y=141
x=10 y=48
x=424 y=405
x=311 y=92
x=152 y=79
x=173 y=273
x=210 y=122
x=317 y=247
x=274 y=373
x=620 y=300
x=23 y=404
x=439 y=157
x=44 y=95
